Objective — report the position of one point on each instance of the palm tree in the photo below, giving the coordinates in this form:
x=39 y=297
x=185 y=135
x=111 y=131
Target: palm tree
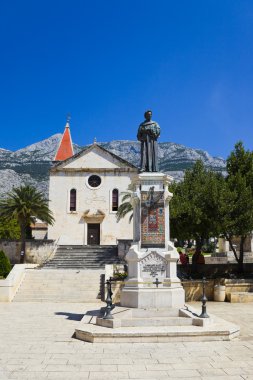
x=25 y=203
x=125 y=207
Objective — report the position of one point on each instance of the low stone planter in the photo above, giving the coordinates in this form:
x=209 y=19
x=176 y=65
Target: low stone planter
x=193 y=290
x=219 y=293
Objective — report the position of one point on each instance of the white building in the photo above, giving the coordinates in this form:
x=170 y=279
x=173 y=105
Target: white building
x=85 y=191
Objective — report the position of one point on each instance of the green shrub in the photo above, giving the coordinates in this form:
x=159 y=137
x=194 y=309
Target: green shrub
x=209 y=248
x=190 y=251
x=5 y=265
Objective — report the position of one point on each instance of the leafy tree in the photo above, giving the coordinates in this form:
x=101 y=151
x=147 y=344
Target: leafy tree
x=241 y=161
x=194 y=207
x=24 y=204
x=5 y=265
x=125 y=207
x=9 y=229
x=236 y=202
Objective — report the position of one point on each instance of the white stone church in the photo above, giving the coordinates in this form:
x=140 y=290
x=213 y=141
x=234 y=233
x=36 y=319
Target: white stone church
x=85 y=191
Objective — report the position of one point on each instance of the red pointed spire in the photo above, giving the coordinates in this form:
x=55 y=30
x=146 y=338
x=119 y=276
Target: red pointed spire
x=65 y=149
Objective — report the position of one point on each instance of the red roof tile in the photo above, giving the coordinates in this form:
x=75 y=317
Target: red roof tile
x=65 y=149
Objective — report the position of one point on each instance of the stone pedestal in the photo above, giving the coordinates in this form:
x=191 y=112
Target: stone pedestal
x=152 y=259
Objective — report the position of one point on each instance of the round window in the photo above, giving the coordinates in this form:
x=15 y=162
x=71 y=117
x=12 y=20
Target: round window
x=94 y=181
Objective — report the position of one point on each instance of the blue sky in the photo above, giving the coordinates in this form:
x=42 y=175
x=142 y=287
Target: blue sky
x=105 y=62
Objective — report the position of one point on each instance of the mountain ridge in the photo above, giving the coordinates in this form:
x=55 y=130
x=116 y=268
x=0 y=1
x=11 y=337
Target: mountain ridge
x=31 y=164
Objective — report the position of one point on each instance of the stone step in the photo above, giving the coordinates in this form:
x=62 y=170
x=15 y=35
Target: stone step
x=53 y=299
x=90 y=252
x=60 y=266
x=221 y=331
x=70 y=272
x=80 y=257
x=161 y=321
x=67 y=278
x=154 y=313
x=65 y=282
x=81 y=263
x=48 y=271
x=53 y=295
x=76 y=264
x=59 y=286
x=102 y=258
x=90 y=258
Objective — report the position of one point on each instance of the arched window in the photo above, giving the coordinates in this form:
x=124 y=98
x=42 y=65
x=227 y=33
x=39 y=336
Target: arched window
x=72 y=200
x=115 y=200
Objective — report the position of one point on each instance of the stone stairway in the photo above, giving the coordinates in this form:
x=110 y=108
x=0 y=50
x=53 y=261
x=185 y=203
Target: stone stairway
x=145 y=317
x=83 y=257
x=50 y=285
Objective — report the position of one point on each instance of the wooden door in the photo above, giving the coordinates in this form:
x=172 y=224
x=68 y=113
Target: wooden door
x=93 y=237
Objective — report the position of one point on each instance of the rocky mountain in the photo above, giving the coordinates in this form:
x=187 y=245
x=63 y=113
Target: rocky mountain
x=32 y=163
x=172 y=157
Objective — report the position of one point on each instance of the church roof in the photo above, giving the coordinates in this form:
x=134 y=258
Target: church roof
x=65 y=149
x=91 y=148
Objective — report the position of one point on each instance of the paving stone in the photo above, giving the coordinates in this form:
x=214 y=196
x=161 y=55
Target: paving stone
x=191 y=365
x=222 y=378
x=212 y=372
x=186 y=373
x=108 y=375
x=29 y=375
x=148 y=375
x=36 y=342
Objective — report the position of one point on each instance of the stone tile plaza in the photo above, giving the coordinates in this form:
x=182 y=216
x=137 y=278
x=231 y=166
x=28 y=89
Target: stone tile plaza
x=36 y=342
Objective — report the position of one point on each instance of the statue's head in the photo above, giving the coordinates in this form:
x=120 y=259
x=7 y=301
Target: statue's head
x=148 y=115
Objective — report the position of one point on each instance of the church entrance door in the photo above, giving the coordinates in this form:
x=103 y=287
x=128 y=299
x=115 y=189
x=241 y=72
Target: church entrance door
x=93 y=237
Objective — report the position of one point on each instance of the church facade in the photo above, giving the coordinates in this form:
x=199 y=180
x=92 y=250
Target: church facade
x=85 y=191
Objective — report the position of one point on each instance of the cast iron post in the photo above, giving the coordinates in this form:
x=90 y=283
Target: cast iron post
x=109 y=305
x=203 y=299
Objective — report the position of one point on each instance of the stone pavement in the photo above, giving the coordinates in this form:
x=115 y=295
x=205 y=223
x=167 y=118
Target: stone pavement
x=36 y=343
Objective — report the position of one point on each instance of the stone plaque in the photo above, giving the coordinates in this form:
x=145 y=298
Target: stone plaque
x=153 y=265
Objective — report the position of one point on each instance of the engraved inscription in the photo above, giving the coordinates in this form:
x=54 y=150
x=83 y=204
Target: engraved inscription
x=153 y=265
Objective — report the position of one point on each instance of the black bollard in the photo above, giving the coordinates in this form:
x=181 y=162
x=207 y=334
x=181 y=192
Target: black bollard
x=204 y=300
x=109 y=305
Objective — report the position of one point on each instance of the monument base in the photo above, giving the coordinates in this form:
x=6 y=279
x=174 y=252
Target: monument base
x=153 y=325
x=152 y=298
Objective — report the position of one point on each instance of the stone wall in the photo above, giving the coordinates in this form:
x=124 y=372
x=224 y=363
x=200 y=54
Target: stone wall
x=238 y=285
x=212 y=270
x=37 y=251
x=193 y=288
x=224 y=244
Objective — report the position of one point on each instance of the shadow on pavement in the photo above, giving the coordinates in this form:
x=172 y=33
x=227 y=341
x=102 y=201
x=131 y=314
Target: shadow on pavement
x=71 y=316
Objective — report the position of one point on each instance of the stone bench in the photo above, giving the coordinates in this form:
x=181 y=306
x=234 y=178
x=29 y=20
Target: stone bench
x=240 y=297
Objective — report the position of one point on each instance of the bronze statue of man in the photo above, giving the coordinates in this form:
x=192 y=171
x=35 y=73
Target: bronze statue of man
x=148 y=133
